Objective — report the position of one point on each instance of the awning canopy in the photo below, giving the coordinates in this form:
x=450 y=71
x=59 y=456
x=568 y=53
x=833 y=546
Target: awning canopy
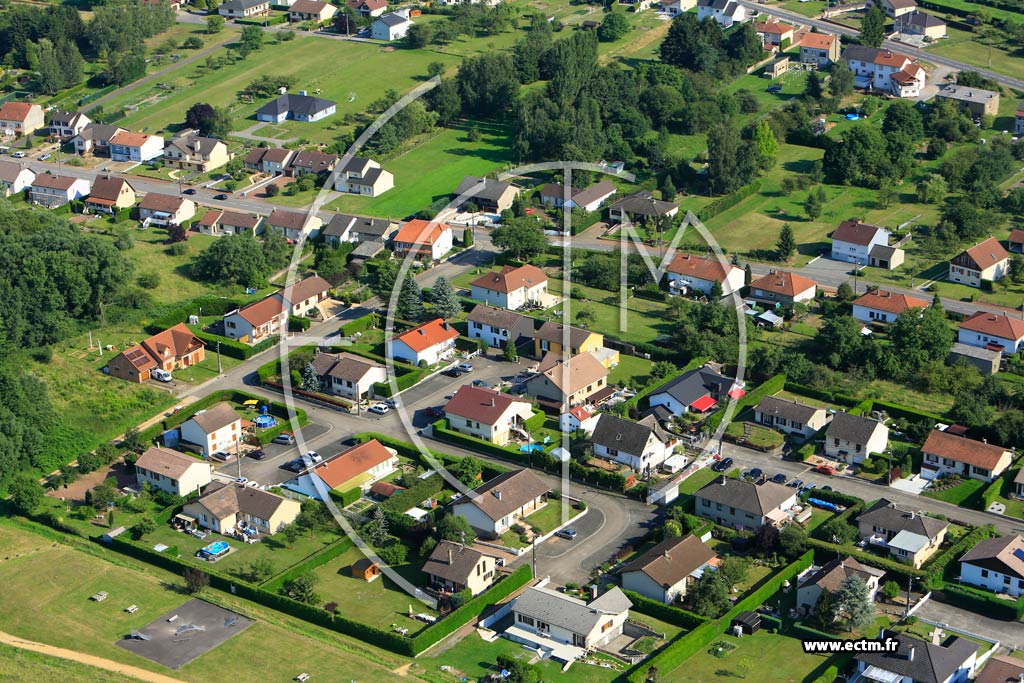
x=874 y=673
x=737 y=392
x=705 y=402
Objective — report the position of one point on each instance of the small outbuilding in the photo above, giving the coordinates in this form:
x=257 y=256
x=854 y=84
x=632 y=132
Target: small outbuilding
x=749 y=622
x=365 y=569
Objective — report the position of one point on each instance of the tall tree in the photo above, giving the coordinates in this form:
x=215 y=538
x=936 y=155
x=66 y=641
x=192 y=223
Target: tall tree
x=853 y=599
x=252 y=37
x=410 y=301
x=730 y=163
x=310 y=380
x=488 y=84
x=840 y=83
x=614 y=27
x=872 y=27
x=812 y=87
x=785 y=247
x=824 y=614
x=446 y=301
x=767 y=145
x=520 y=237
x=710 y=595
x=444 y=100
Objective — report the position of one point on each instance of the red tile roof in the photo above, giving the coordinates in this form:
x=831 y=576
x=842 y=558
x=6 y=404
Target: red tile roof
x=428 y=334
x=129 y=139
x=480 y=405
x=818 y=41
x=353 y=462
x=510 y=279
x=773 y=27
x=420 y=232
x=783 y=282
x=173 y=342
x=263 y=310
x=995 y=325
x=890 y=302
x=165 y=203
x=1017 y=235
x=855 y=232
x=987 y=253
x=890 y=58
x=15 y=111
x=710 y=269
x=961 y=449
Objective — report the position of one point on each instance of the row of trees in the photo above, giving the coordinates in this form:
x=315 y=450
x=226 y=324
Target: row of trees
x=243 y=260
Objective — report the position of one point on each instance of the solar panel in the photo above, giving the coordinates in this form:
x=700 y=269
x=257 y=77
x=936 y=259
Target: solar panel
x=1019 y=554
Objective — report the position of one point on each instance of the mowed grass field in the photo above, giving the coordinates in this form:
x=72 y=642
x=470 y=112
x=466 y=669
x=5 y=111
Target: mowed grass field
x=962 y=46
x=48 y=585
x=25 y=666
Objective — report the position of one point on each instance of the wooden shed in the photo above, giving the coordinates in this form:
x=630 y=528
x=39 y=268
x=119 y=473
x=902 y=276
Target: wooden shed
x=366 y=570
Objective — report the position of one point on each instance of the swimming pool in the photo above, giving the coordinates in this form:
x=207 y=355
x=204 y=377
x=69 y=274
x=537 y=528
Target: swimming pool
x=215 y=549
x=536 y=448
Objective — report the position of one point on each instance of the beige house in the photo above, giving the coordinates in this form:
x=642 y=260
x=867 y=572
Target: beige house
x=14 y=178
x=853 y=439
x=946 y=454
x=819 y=48
x=311 y=10
x=975 y=101
x=196 y=153
x=216 y=429
x=227 y=508
x=363 y=176
x=790 y=417
x=348 y=375
x=984 y=261
x=172 y=471
x=666 y=571
x=775 y=33
x=908 y=535
x=453 y=568
x=493 y=507
x=565 y=626
x=166 y=209
x=567 y=383
x=487 y=195
x=921 y=24
x=109 y=195
x=486 y=414
x=742 y=505
x=20 y=118
x=830 y=577
x=511 y=287
x=292 y=224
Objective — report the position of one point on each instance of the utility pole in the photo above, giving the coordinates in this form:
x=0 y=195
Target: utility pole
x=910 y=579
x=220 y=367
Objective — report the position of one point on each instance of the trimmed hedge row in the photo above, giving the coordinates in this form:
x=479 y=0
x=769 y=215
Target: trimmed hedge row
x=358 y=325
x=1005 y=481
x=334 y=550
x=868 y=559
x=346 y=498
x=941 y=562
x=232 y=348
x=403 y=382
x=728 y=201
x=441 y=431
x=905 y=412
x=768 y=387
x=420 y=491
x=210 y=305
x=768 y=621
x=827 y=396
x=535 y=422
x=672 y=615
x=804 y=632
x=838 y=498
x=410 y=451
x=433 y=634
x=983 y=602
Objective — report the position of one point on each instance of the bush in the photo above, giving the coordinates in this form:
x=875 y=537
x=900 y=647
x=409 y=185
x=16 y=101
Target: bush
x=296 y=324
x=672 y=615
x=728 y=201
x=983 y=602
x=346 y=498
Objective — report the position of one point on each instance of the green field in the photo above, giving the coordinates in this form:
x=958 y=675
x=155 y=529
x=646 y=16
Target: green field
x=633 y=370
x=433 y=168
x=808 y=9
x=644 y=321
x=963 y=46
x=25 y=666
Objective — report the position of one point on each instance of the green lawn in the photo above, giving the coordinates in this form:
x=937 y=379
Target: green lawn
x=958 y=494
x=549 y=517
x=25 y=666
x=433 y=168
x=759 y=437
x=697 y=481
x=378 y=603
x=968 y=6
x=631 y=370
x=808 y=9
x=644 y=321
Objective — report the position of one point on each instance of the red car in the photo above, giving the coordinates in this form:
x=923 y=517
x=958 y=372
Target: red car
x=433 y=412
x=825 y=469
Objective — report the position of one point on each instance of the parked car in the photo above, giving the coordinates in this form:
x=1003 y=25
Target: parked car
x=775 y=89
x=825 y=469
x=223 y=456
x=314 y=456
x=465 y=367
x=809 y=487
x=756 y=473
x=258 y=454
x=391 y=403
x=780 y=478
x=242 y=480
x=481 y=383
x=380 y=408
x=567 y=533
x=161 y=375
x=726 y=464
x=433 y=412
x=190 y=190
x=294 y=465
x=220 y=197
x=18 y=155
x=453 y=372
x=44 y=157
x=285 y=439
x=826 y=488
x=796 y=484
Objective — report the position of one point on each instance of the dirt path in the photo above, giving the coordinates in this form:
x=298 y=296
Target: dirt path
x=91 y=660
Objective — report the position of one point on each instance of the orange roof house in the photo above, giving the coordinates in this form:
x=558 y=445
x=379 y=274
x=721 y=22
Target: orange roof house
x=783 y=287
x=359 y=466
x=431 y=341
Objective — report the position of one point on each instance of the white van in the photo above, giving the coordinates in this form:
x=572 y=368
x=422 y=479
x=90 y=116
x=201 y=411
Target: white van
x=161 y=375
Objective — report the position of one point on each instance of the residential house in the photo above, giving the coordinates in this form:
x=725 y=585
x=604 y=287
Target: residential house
x=243 y=9
x=853 y=241
x=196 y=153
x=358 y=229
x=946 y=454
x=791 y=417
x=894 y=9
x=488 y=195
x=301 y=107
x=975 y=101
x=66 y=124
x=562 y=383
x=216 y=222
x=640 y=207
x=166 y=209
x=225 y=508
x=425 y=240
x=636 y=5
x=667 y=571
x=819 y=48
x=311 y=10
x=358 y=467
x=50 y=191
x=453 y=568
x=642 y=446
x=110 y=194
x=830 y=577
x=922 y=24
x=494 y=506
x=272 y=160
x=95 y=139
x=1016 y=241
x=697 y=390
x=392 y=26
x=852 y=438
x=883 y=306
x=777 y=68
x=1018 y=484
x=1002 y=669
x=174 y=348
x=489 y=415
x=293 y=224
x=369 y=8
x=1018 y=121
x=268 y=316
x=217 y=428
x=986 y=360
x=689 y=273
x=995 y=331
x=996 y=564
x=775 y=34
x=675 y=7
x=725 y=12
x=133 y=364
x=498 y=326
x=578 y=419
x=910 y=536
x=511 y=287
x=782 y=288
x=984 y=261
x=303 y=297
x=885 y=71
x=585 y=198
x=364 y=177
x=20 y=118
x=15 y=178
x=743 y=505
x=171 y=471
x=917 y=661
x=430 y=343
x=565 y=340
x=312 y=162
x=136 y=147
x=348 y=375
x=567 y=627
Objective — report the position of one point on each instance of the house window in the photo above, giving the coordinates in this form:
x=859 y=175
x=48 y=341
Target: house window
x=613 y=452
x=858 y=448
x=579 y=640
x=523 y=619
x=606 y=627
x=543 y=626
x=718 y=506
x=707 y=503
x=984 y=573
x=835 y=442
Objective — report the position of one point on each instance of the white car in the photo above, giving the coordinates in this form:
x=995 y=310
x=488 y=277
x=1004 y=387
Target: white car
x=18 y=155
x=314 y=456
x=380 y=408
x=44 y=157
x=465 y=367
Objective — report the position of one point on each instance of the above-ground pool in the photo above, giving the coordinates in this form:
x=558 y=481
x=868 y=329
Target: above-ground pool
x=214 y=550
x=265 y=421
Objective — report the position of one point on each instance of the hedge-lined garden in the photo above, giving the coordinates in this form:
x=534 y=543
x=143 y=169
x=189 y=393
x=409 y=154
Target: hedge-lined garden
x=278 y=410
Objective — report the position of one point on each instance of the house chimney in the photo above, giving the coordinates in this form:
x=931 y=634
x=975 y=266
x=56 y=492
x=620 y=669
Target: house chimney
x=722 y=480
x=667 y=556
x=912 y=514
x=492 y=401
x=593 y=591
x=910 y=653
x=451 y=559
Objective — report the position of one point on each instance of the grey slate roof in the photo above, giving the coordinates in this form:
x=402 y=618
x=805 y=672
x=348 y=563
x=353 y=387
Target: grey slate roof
x=889 y=515
x=552 y=332
x=922 y=19
x=860 y=53
x=361 y=225
x=296 y=104
x=497 y=317
x=505 y=493
x=460 y=566
x=625 y=435
x=1004 y=555
x=930 y=663
x=492 y=189
x=742 y=495
x=672 y=560
x=240 y=5
x=853 y=428
x=567 y=612
x=690 y=386
x=791 y=410
x=392 y=19
x=344 y=366
x=643 y=204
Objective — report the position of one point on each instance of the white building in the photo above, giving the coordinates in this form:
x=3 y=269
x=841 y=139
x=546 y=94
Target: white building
x=853 y=439
x=853 y=241
x=218 y=428
x=883 y=306
x=885 y=71
x=493 y=507
x=391 y=26
x=641 y=446
x=565 y=626
x=348 y=375
x=984 y=261
x=429 y=343
x=996 y=564
x=725 y=12
x=511 y=287
x=688 y=274
x=990 y=330
x=945 y=454
x=14 y=178
x=172 y=471
x=497 y=326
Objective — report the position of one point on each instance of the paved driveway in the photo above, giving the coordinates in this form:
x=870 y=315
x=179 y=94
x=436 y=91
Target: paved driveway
x=1009 y=633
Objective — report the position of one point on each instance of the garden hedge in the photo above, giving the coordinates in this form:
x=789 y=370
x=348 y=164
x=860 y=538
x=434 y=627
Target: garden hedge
x=442 y=433
x=360 y=324
x=346 y=498
x=672 y=615
x=210 y=305
x=769 y=387
x=232 y=348
x=403 y=381
x=805 y=632
x=535 y=422
x=418 y=492
x=318 y=559
x=439 y=630
x=728 y=201
x=906 y=412
x=410 y=451
x=983 y=602
x=827 y=396
x=297 y=324
x=994 y=490
x=938 y=564
x=868 y=558
x=844 y=516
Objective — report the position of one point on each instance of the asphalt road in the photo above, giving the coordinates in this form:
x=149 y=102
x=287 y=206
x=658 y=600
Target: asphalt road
x=1009 y=633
